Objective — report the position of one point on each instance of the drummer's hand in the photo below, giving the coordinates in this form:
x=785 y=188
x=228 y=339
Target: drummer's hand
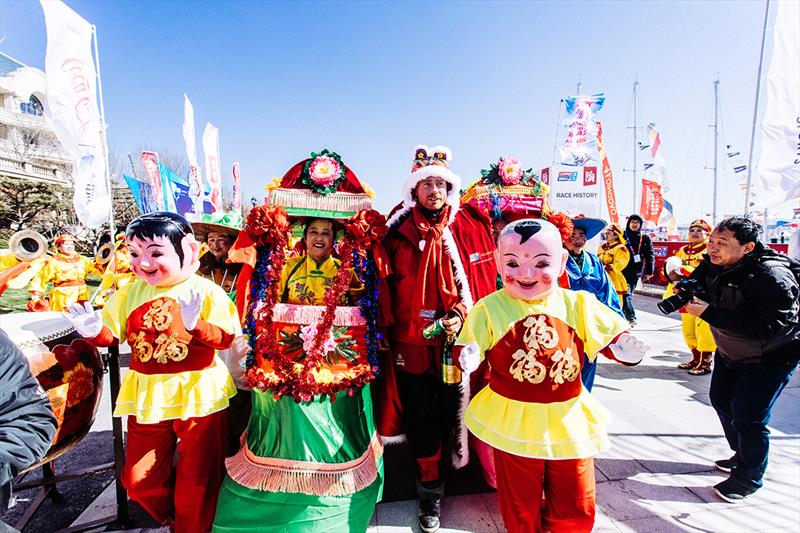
x=88 y=322
x=452 y=325
x=190 y=309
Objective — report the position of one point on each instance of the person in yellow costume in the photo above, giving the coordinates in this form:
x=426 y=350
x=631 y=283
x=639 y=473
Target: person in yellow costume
x=177 y=388
x=615 y=256
x=696 y=332
x=118 y=273
x=67 y=270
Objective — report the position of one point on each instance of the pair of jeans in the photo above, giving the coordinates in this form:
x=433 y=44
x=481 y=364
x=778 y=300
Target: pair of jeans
x=627 y=300
x=743 y=396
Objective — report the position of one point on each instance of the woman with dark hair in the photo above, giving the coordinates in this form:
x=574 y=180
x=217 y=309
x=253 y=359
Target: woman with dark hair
x=177 y=388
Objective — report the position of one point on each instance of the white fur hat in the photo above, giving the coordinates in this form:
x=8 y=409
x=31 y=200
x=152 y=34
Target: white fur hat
x=432 y=162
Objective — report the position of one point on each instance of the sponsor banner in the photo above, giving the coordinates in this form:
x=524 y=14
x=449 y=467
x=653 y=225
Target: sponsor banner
x=545 y=175
x=213 y=174
x=150 y=163
x=70 y=108
x=778 y=172
x=608 y=178
x=575 y=190
x=195 y=179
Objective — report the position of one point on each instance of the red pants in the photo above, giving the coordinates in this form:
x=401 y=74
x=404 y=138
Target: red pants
x=568 y=486
x=186 y=496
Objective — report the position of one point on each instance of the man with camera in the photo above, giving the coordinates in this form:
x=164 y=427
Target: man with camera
x=752 y=309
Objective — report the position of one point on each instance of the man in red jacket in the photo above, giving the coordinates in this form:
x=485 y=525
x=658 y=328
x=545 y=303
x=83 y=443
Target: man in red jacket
x=442 y=261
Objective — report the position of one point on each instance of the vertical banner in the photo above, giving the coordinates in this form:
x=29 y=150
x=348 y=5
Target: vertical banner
x=778 y=176
x=195 y=179
x=652 y=201
x=608 y=178
x=237 y=188
x=70 y=108
x=150 y=163
x=578 y=147
x=656 y=173
x=213 y=175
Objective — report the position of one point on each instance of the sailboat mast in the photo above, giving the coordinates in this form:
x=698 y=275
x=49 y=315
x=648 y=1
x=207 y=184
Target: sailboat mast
x=716 y=148
x=635 y=138
x=755 y=116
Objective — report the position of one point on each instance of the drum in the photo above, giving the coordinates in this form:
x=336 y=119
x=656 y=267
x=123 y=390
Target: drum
x=69 y=369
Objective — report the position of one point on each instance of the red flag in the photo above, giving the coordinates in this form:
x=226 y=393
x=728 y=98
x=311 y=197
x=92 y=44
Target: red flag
x=652 y=201
x=150 y=162
x=608 y=178
x=237 y=189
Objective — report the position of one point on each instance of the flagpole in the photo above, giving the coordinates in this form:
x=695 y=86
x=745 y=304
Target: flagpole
x=103 y=133
x=755 y=115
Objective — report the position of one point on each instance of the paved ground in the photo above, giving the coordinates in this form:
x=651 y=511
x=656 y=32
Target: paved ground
x=657 y=477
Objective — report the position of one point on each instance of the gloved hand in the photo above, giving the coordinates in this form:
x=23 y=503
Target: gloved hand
x=470 y=358
x=629 y=349
x=190 y=309
x=87 y=322
x=235 y=358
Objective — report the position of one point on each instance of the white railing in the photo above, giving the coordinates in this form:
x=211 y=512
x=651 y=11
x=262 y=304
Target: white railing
x=19 y=169
x=22 y=119
x=35 y=152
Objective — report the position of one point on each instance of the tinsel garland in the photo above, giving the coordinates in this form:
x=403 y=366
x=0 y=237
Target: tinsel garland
x=368 y=274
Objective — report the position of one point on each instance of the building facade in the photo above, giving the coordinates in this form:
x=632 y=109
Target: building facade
x=28 y=147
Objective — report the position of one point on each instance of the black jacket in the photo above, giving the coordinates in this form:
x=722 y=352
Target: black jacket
x=638 y=243
x=27 y=424
x=753 y=311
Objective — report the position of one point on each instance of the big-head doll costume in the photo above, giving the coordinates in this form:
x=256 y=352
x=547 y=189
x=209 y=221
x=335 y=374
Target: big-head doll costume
x=177 y=388
x=311 y=459
x=542 y=423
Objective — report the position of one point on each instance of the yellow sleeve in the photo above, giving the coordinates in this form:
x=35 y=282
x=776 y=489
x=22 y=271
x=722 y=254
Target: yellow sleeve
x=597 y=324
x=115 y=313
x=40 y=280
x=477 y=328
x=218 y=309
x=8 y=260
x=621 y=258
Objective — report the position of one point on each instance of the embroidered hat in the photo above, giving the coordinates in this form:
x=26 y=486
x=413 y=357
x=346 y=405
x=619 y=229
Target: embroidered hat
x=229 y=223
x=700 y=223
x=320 y=186
x=61 y=239
x=427 y=163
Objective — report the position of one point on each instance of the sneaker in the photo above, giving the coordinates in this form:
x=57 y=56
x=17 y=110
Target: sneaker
x=725 y=465
x=732 y=491
x=428 y=515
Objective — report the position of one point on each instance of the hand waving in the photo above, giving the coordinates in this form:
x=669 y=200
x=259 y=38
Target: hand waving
x=87 y=322
x=190 y=309
x=470 y=358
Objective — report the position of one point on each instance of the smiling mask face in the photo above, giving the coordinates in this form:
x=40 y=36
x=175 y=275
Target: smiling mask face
x=530 y=258
x=157 y=262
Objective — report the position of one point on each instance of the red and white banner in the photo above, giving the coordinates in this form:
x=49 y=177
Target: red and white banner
x=213 y=174
x=608 y=178
x=195 y=179
x=150 y=163
x=652 y=201
x=70 y=108
x=237 y=188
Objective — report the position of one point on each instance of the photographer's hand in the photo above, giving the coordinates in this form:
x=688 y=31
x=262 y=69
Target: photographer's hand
x=696 y=307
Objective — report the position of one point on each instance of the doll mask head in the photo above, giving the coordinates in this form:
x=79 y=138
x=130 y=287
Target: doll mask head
x=530 y=258
x=163 y=249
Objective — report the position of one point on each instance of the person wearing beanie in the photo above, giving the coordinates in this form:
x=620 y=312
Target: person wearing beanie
x=696 y=332
x=441 y=255
x=640 y=265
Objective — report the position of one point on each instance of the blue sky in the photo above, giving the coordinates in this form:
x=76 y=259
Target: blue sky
x=372 y=79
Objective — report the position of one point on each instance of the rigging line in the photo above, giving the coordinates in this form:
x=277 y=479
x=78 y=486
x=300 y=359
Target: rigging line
x=558 y=127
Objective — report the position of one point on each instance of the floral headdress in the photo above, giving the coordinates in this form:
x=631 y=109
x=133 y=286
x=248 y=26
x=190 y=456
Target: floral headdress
x=505 y=190
x=333 y=191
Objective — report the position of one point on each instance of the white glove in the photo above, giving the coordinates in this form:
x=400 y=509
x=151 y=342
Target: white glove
x=190 y=309
x=470 y=358
x=235 y=358
x=87 y=322
x=629 y=349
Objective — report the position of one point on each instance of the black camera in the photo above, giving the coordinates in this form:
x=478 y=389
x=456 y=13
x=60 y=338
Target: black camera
x=689 y=288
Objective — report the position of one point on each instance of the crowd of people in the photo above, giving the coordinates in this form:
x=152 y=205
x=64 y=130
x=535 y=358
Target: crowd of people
x=279 y=354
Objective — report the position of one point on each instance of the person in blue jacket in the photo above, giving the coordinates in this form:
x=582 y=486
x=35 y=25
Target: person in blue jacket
x=27 y=423
x=585 y=272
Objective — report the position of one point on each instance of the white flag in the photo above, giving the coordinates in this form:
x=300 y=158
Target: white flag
x=70 y=107
x=213 y=174
x=195 y=179
x=778 y=178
